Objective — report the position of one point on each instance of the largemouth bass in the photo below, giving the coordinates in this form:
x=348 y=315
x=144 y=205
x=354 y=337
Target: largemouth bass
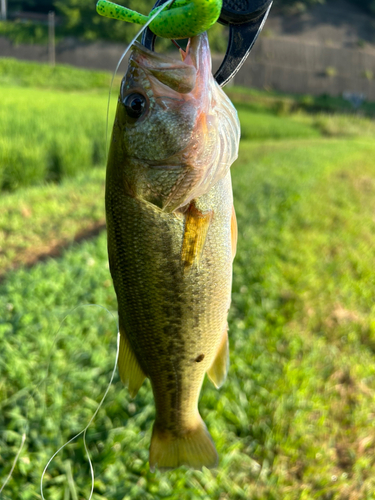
x=172 y=236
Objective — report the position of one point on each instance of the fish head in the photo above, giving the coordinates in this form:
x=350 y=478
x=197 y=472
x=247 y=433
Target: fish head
x=166 y=126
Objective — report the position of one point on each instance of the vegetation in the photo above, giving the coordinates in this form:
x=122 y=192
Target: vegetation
x=283 y=104
x=294 y=420
x=15 y=73
x=38 y=222
x=47 y=135
x=79 y=18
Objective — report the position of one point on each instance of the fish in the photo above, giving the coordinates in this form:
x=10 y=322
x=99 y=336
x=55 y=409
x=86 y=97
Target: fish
x=172 y=236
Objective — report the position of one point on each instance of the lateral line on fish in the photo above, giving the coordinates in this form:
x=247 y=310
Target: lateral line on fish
x=167 y=4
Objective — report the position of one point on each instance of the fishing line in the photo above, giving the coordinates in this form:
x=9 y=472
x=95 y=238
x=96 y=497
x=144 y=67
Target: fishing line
x=34 y=391
x=84 y=431
x=14 y=462
x=167 y=4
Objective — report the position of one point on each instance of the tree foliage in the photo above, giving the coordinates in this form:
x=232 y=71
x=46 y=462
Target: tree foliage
x=82 y=19
x=368 y=5
x=79 y=17
x=42 y=6
x=299 y=4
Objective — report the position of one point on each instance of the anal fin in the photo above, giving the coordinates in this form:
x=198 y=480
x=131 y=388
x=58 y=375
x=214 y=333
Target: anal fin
x=131 y=373
x=217 y=372
x=196 y=228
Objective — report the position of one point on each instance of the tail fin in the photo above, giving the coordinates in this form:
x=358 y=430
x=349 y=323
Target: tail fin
x=193 y=448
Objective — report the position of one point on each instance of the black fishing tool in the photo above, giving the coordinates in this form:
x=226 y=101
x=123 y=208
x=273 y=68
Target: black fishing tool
x=245 y=19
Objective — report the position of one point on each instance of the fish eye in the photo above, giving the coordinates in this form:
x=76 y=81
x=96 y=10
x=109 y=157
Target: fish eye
x=135 y=105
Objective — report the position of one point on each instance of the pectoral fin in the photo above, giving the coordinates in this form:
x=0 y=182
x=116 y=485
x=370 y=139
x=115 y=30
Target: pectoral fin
x=217 y=372
x=196 y=228
x=131 y=373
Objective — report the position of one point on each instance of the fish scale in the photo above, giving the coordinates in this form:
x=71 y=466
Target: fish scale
x=171 y=242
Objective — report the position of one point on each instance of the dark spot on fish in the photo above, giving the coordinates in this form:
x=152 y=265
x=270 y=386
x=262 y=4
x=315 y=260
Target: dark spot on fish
x=171 y=386
x=199 y=358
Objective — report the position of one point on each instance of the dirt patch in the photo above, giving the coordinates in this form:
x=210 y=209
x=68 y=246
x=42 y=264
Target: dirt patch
x=340 y=316
x=30 y=256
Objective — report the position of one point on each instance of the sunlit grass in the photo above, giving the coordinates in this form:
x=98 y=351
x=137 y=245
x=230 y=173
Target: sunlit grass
x=37 y=221
x=49 y=135
x=15 y=73
x=293 y=420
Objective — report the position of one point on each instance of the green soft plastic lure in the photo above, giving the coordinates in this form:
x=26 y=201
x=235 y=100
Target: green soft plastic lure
x=182 y=19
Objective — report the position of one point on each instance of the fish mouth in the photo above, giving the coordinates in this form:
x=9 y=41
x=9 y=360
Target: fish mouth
x=178 y=95
x=181 y=76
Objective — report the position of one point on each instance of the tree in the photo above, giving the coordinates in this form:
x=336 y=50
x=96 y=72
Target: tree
x=82 y=19
x=43 y=6
x=368 y=5
x=299 y=5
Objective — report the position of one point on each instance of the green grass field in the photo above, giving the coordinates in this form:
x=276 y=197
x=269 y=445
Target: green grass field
x=295 y=418
x=53 y=121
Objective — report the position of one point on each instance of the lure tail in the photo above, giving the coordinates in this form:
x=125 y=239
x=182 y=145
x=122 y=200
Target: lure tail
x=114 y=11
x=175 y=19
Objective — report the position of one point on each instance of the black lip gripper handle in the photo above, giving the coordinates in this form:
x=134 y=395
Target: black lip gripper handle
x=245 y=19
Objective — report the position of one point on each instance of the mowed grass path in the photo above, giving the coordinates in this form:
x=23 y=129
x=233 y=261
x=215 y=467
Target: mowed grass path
x=294 y=419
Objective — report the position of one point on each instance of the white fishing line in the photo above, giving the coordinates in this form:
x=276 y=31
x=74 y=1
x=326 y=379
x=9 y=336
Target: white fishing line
x=14 y=462
x=33 y=392
x=84 y=431
x=122 y=58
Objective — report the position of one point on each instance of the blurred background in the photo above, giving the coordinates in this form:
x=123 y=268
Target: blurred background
x=295 y=418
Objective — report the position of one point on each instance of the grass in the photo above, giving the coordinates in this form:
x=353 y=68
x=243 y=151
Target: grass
x=38 y=221
x=60 y=77
x=294 y=418
x=49 y=135
x=283 y=104
x=53 y=121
